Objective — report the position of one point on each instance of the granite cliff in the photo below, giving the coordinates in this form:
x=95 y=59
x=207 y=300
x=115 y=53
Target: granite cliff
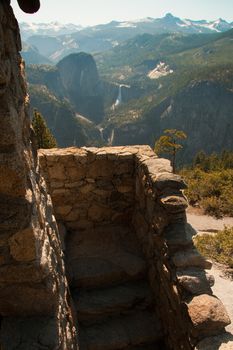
x=202 y=109
x=80 y=78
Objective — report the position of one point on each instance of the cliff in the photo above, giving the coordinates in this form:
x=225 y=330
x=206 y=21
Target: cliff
x=80 y=78
x=202 y=109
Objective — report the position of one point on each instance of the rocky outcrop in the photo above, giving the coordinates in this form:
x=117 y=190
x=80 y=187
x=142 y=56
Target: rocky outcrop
x=123 y=215
x=34 y=298
x=67 y=127
x=80 y=78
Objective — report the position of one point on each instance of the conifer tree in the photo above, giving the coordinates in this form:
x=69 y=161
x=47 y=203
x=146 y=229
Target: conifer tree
x=169 y=144
x=44 y=137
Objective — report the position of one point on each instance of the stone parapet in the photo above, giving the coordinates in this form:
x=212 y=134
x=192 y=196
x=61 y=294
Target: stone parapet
x=176 y=269
x=93 y=187
x=90 y=186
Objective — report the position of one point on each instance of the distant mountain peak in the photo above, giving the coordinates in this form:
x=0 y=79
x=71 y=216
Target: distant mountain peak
x=169 y=15
x=55 y=40
x=51 y=28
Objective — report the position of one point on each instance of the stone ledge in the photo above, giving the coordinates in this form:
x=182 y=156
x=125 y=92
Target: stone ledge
x=195 y=281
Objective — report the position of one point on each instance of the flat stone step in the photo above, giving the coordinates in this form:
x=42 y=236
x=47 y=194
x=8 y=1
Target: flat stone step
x=138 y=329
x=106 y=269
x=104 y=238
x=95 y=304
x=103 y=256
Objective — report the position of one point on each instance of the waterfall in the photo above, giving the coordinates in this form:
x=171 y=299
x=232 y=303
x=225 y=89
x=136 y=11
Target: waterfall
x=119 y=97
x=111 y=138
x=101 y=132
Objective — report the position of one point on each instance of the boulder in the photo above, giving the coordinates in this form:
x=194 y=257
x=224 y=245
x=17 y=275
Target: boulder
x=195 y=281
x=208 y=316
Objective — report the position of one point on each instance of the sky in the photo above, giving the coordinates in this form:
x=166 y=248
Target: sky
x=91 y=12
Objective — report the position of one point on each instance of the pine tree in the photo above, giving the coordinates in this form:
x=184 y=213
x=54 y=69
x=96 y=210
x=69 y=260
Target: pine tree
x=44 y=137
x=169 y=144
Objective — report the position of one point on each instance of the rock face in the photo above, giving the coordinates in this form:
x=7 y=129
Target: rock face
x=81 y=80
x=203 y=110
x=61 y=119
x=34 y=307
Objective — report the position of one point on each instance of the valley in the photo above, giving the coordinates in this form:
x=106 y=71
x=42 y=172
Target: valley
x=153 y=79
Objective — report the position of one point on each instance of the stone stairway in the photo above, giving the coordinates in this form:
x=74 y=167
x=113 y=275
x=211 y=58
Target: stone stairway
x=111 y=294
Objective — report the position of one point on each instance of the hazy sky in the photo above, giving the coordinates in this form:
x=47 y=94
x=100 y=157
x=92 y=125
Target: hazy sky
x=90 y=12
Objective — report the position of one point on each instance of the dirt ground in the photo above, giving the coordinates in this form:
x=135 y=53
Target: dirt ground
x=205 y=223
x=223 y=287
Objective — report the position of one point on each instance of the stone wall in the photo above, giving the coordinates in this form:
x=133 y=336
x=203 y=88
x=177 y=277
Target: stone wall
x=34 y=299
x=183 y=287
x=92 y=187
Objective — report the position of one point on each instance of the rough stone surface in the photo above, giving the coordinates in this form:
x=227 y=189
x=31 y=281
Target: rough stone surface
x=130 y=186
x=221 y=342
x=191 y=257
x=208 y=315
x=34 y=308
x=101 y=179
x=195 y=281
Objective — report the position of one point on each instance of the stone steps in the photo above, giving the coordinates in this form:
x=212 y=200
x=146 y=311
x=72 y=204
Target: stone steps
x=111 y=294
x=103 y=257
x=139 y=329
x=104 y=270
x=96 y=304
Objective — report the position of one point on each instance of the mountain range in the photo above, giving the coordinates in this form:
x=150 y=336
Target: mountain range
x=132 y=92
x=51 y=29
x=55 y=41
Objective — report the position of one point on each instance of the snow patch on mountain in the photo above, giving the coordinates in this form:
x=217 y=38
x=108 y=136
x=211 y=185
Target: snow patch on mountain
x=161 y=70
x=144 y=20
x=50 y=29
x=126 y=25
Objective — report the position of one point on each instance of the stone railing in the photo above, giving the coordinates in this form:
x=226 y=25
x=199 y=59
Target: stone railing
x=176 y=269
x=91 y=187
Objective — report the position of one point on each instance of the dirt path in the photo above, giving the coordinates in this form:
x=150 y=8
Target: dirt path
x=203 y=223
x=223 y=287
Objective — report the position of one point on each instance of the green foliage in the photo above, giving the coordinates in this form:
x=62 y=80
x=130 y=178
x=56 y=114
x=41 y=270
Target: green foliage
x=213 y=161
x=191 y=57
x=146 y=50
x=210 y=183
x=168 y=144
x=218 y=247
x=44 y=137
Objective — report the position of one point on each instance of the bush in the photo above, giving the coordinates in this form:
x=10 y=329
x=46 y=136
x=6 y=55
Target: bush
x=218 y=247
x=212 y=206
x=212 y=191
